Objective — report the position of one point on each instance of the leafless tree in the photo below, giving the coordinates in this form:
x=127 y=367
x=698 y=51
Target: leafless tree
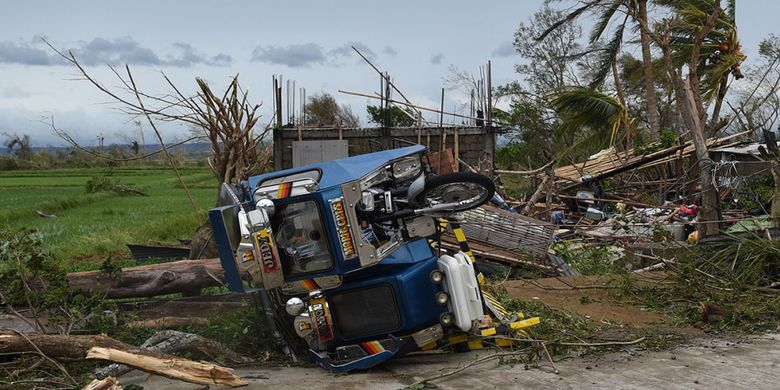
x=228 y=121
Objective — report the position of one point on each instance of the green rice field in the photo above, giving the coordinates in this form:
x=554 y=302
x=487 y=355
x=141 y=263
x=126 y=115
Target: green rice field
x=91 y=226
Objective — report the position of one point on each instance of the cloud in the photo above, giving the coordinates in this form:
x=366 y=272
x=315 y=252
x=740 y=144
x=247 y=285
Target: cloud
x=437 y=59
x=100 y=51
x=505 y=49
x=187 y=55
x=345 y=50
x=125 y=50
x=390 y=51
x=24 y=53
x=304 y=55
x=294 y=56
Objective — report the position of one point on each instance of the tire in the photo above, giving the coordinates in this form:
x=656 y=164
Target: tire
x=454 y=187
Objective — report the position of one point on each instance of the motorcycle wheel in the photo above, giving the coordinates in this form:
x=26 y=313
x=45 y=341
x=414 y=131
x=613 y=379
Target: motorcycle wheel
x=472 y=189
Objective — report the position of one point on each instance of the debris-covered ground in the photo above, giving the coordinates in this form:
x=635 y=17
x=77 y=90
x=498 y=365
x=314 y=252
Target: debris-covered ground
x=730 y=362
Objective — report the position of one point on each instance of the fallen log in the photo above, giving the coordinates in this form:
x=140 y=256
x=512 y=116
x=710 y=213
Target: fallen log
x=165 y=322
x=175 y=342
x=77 y=348
x=185 y=276
x=171 y=367
x=56 y=346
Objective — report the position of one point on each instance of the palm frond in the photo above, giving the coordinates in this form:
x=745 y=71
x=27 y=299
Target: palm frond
x=603 y=19
x=608 y=56
x=569 y=18
x=583 y=108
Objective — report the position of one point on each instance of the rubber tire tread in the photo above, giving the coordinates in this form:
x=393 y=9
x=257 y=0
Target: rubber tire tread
x=458 y=177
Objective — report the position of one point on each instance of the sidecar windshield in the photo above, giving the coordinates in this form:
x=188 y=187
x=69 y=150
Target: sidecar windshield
x=300 y=238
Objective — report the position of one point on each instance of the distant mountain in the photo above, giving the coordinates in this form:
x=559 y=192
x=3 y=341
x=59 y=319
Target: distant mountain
x=189 y=149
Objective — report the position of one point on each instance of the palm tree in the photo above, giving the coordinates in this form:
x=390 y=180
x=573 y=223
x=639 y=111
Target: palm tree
x=604 y=11
x=721 y=53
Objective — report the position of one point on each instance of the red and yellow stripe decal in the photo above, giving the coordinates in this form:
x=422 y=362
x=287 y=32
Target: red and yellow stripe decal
x=309 y=285
x=372 y=347
x=284 y=190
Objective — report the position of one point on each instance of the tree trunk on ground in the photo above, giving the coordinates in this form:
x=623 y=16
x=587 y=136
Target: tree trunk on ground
x=175 y=342
x=186 y=276
x=78 y=348
x=57 y=346
x=649 y=74
x=171 y=367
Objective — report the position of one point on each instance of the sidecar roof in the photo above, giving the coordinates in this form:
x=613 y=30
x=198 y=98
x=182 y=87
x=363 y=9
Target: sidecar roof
x=340 y=171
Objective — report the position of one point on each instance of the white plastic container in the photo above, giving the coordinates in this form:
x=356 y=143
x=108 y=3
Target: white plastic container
x=461 y=284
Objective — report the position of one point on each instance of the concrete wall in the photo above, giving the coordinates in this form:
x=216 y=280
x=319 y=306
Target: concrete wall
x=475 y=143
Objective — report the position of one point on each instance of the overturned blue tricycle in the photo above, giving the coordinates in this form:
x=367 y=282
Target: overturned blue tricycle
x=342 y=254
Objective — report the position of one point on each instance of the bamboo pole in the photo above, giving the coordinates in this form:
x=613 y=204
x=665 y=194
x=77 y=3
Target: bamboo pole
x=456 y=148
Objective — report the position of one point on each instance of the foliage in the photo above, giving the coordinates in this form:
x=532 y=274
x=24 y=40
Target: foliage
x=721 y=52
x=32 y=278
x=551 y=62
x=23 y=264
x=745 y=262
x=756 y=193
x=590 y=259
x=555 y=326
x=631 y=72
x=98 y=184
x=669 y=138
x=323 y=110
x=396 y=116
x=243 y=330
x=532 y=141
x=585 y=108
x=105 y=184
x=732 y=276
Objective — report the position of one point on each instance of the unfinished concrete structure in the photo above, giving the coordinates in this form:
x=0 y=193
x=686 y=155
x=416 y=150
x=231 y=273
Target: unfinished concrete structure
x=302 y=145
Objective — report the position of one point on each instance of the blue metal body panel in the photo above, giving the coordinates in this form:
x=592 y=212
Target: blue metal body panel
x=338 y=172
x=363 y=363
x=413 y=291
x=226 y=257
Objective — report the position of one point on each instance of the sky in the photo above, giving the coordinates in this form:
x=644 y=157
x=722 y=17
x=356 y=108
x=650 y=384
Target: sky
x=306 y=41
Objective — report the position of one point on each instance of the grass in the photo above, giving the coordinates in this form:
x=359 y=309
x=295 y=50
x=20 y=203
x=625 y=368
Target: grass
x=89 y=227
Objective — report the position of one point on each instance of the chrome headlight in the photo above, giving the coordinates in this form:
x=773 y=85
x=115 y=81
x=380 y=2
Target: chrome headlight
x=406 y=167
x=294 y=306
x=367 y=201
